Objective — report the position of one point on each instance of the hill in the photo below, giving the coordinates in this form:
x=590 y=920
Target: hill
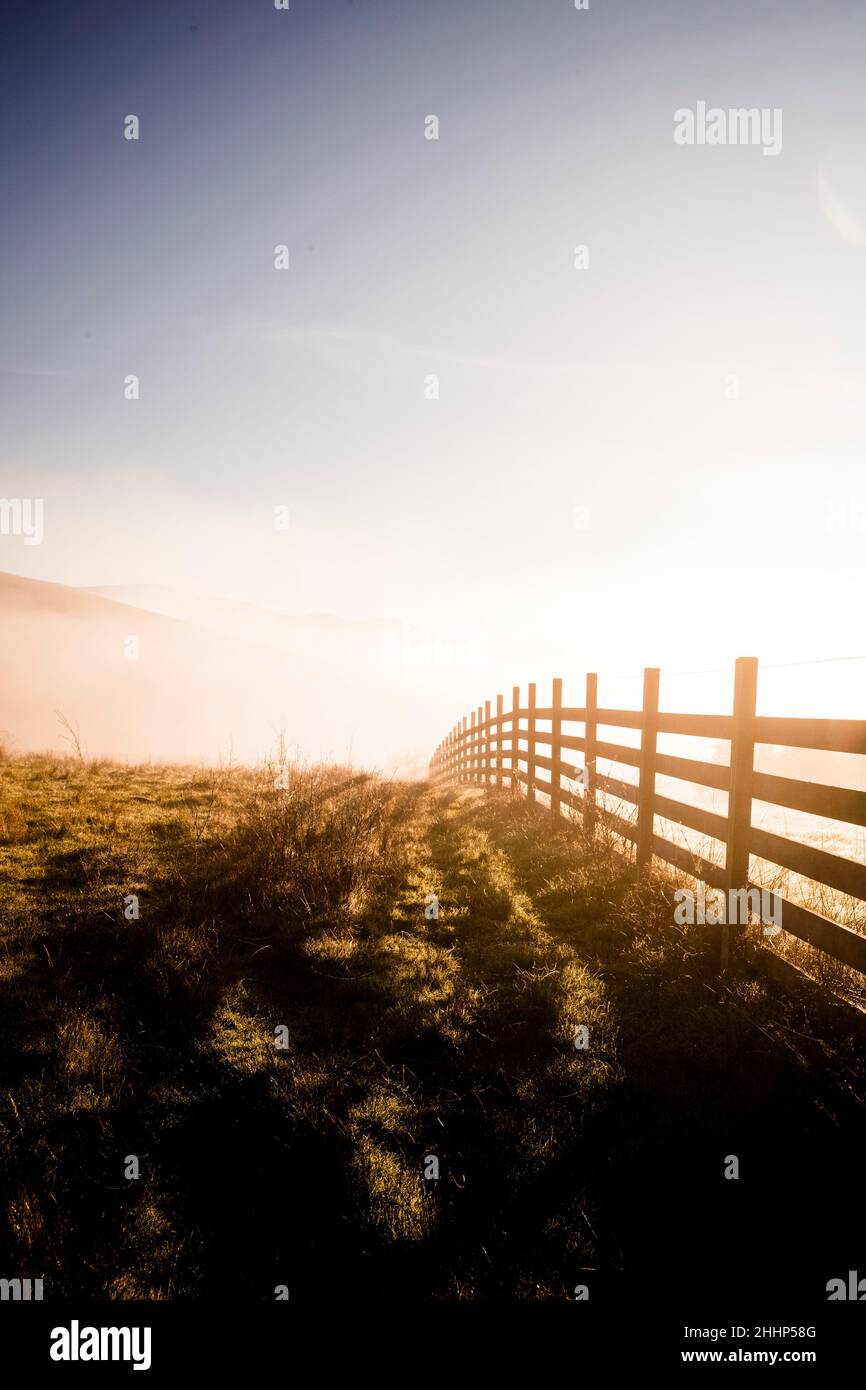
x=177 y=691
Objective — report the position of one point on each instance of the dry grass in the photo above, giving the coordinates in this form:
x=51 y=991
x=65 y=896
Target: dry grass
x=300 y=906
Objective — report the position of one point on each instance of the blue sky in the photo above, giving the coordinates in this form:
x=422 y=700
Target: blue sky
x=607 y=390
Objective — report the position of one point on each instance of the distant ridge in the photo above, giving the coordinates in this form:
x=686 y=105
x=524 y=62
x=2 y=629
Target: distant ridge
x=209 y=680
x=189 y=694
x=222 y=614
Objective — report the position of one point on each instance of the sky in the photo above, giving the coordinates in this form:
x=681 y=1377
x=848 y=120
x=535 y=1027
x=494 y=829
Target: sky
x=656 y=457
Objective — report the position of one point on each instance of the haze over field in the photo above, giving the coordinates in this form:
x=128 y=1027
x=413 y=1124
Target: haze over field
x=141 y=685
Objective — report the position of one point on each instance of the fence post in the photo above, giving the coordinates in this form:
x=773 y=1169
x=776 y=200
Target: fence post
x=463 y=751
x=486 y=742
x=472 y=746
x=740 y=786
x=555 y=747
x=499 y=705
x=590 y=729
x=647 y=786
x=530 y=744
x=515 y=734
x=478 y=744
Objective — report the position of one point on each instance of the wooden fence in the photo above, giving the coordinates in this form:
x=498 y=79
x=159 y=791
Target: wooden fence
x=485 y=748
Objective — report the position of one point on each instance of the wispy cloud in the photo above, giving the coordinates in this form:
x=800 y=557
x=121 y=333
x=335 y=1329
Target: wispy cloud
x=281 y=331
x=20 y=369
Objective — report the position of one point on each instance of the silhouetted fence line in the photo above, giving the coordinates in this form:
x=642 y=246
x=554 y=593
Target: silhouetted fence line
x=485 y=749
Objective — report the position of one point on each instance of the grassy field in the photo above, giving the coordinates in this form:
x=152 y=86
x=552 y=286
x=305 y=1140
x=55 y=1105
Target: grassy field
x=409 y=1039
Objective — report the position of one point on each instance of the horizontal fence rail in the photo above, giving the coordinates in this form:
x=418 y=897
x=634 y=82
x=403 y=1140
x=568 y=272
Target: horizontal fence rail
x=506 y=748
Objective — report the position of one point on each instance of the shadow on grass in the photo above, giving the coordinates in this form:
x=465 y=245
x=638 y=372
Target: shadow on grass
x=712 y=1068
x=410 y=1039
